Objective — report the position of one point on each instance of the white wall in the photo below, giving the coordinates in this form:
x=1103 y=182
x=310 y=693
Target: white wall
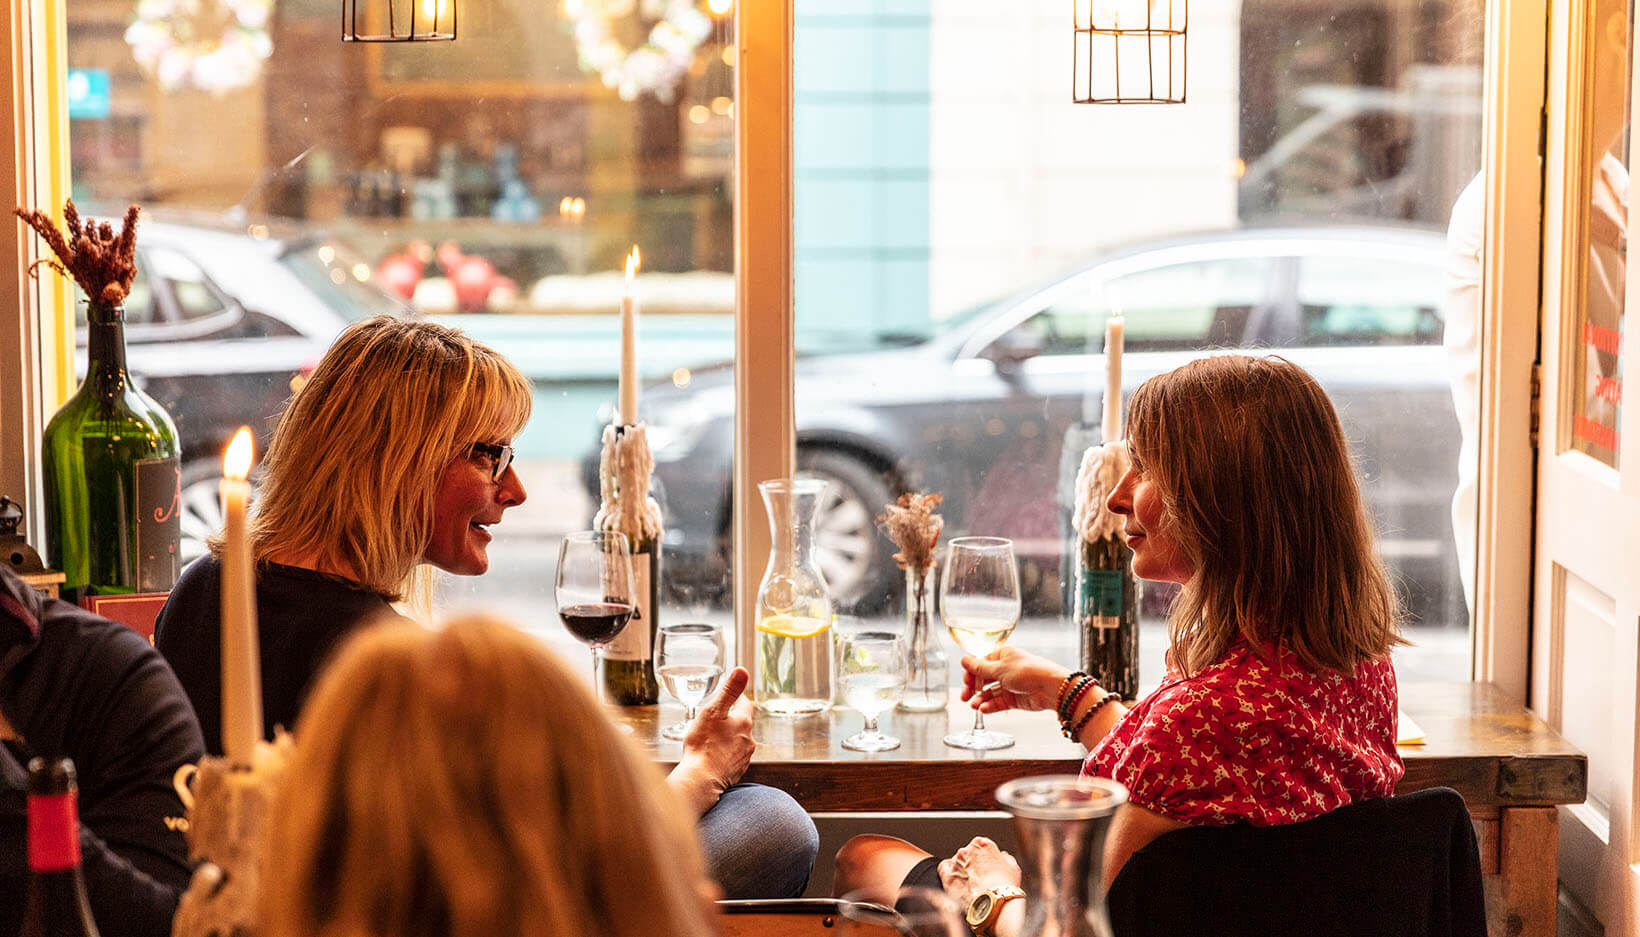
x=1026 y=184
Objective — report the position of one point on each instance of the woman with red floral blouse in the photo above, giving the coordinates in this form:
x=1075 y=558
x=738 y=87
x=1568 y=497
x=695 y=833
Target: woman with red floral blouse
x=1279 y=702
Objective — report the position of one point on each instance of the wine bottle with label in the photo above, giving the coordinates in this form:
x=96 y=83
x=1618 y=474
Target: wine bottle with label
x=626 y=667
x=1107 y=615
x=626 y=664
x=112 y=477
x=56 y=904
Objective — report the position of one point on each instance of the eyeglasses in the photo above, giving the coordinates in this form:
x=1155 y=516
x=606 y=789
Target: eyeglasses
x=500 y=457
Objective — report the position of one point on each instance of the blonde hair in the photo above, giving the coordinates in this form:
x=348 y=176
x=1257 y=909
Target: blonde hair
x=352 y=472
x=461 y=783
x=1259 y=491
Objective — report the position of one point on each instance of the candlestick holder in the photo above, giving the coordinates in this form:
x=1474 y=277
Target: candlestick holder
x=229 y=809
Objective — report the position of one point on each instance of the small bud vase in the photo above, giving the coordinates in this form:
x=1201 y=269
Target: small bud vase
x=927 y=677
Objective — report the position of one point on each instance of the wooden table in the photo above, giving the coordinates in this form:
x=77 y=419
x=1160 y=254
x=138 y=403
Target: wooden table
x=1511 y=768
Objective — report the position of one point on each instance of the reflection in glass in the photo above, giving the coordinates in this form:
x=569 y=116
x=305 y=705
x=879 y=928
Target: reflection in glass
x=1598 y=331
x=1293 y=206
x=290 y=193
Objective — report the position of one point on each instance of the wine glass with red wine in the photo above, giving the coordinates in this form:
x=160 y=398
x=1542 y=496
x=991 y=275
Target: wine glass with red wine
x=595 y=588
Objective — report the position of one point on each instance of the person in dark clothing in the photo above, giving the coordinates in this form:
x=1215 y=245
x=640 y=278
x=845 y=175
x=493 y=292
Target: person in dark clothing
x=294 y=640
x=79 y=686
x=391 y=461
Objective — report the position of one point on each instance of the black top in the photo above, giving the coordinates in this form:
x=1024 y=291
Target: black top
x=301 y=616
x=78 y=686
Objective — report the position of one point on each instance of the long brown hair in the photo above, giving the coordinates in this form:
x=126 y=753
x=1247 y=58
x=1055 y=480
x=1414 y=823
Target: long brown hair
x=1259 y=491
x=462 y=783
x=353 y=469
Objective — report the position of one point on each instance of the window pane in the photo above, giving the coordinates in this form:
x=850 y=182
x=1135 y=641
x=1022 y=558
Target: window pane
x=293 y=184
x=1597 y=405
x=971 y=230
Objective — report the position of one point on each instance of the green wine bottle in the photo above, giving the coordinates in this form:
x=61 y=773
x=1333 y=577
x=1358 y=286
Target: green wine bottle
x=1107 y=615
x=626 y=664
x=112 y=477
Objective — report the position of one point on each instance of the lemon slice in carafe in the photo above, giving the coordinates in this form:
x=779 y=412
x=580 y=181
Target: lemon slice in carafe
x=793 y=626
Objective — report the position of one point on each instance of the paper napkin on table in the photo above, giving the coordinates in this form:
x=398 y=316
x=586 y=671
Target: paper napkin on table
x=1407 y=731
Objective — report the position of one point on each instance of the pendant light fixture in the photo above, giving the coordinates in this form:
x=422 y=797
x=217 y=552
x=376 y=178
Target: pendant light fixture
x=1129 y=51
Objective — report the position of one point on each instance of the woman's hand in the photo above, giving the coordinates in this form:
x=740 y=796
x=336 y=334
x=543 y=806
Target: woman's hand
x=979 y=866
x=718 y=746
x=1024 y=680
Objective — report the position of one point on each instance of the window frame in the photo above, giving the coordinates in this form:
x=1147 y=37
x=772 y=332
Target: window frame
x=36 y=368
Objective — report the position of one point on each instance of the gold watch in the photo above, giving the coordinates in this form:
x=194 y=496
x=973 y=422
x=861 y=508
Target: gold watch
x=985 y=907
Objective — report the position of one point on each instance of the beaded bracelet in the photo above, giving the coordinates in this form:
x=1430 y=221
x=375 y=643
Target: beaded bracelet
x=1081 y=690
x=1065 y=686
x=1075 y=732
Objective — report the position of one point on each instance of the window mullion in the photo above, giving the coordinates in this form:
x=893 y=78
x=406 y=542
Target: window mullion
x=765 y=434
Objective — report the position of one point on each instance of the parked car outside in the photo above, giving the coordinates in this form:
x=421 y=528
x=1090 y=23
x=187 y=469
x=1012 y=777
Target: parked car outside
x=221 y=325
x=994 y=408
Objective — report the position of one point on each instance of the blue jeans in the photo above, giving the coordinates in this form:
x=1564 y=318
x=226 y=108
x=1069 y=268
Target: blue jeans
x=759 y=843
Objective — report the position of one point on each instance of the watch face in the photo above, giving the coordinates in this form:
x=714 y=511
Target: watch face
x=979 y=908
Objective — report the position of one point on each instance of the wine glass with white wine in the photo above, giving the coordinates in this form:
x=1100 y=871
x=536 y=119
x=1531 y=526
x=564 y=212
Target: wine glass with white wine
x=979 y=602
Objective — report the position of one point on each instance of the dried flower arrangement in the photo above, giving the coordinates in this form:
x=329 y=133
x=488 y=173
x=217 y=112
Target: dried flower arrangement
x=101 y=262
x=914 y=527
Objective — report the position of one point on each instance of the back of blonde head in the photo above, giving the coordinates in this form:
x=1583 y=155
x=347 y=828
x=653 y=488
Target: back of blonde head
x=351 y=474
x=462 y=784
x=1259 y=490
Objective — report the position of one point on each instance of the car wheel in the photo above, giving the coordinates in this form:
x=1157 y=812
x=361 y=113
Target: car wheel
x=201 y=508
x=853 y=555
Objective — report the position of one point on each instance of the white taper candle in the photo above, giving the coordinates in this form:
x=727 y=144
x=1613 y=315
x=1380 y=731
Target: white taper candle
x=629 y=346
x=1113 y=379
x=241 y=656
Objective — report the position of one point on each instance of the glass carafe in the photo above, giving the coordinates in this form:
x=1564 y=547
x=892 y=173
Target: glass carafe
x=792 y=662
x=1061 y=821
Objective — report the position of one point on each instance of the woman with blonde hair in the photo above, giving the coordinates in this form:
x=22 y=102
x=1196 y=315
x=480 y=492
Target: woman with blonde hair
x=461 y=783
x=391 y=460
x=1279 y=702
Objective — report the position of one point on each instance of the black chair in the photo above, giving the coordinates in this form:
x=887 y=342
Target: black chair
x=1398 y=867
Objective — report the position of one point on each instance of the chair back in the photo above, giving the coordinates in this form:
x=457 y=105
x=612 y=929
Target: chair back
x=1406 y=865
x=796 y=917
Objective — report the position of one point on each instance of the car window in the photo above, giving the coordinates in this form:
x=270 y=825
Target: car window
x=1368 y=301
x=1197 y=304
x=196 y=297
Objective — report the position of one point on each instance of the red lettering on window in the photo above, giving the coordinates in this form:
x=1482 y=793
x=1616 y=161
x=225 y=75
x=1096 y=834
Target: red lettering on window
x=1606 y=340
x=1598 y=434
x=1609 y=388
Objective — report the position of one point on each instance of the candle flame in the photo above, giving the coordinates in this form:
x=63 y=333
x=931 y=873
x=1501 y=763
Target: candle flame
x=632 y=261
x=236 y=462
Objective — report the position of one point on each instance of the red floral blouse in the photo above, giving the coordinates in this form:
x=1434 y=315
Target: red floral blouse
x=1250 y=741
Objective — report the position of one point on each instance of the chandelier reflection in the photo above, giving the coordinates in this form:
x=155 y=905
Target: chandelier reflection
x=405 y=20
x=1129 y=51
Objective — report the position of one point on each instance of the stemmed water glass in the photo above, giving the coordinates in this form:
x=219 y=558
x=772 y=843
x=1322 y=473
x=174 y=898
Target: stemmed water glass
x=594 y=587
x=979 y=602
x=872 y=671
x=689 y=660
